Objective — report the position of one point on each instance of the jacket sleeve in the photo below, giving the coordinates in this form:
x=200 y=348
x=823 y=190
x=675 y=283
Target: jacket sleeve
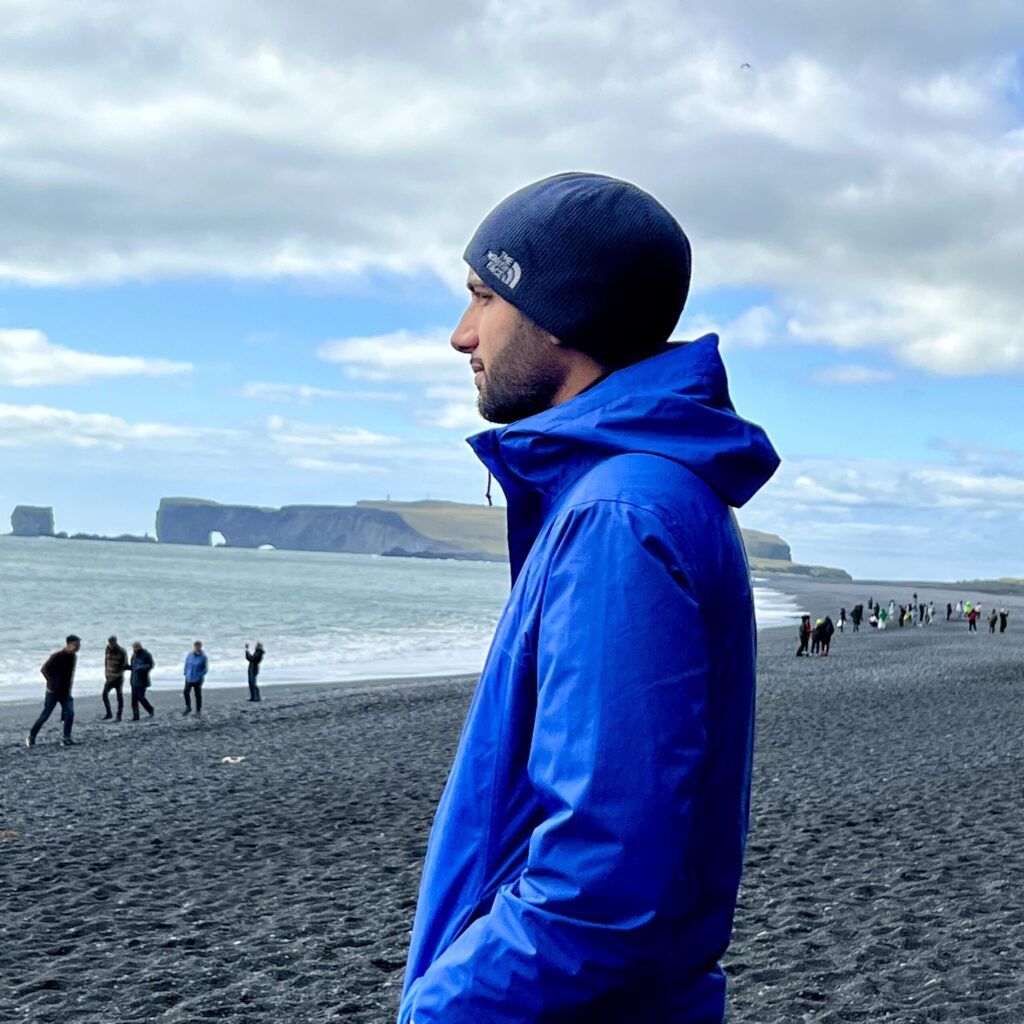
x=617 y=750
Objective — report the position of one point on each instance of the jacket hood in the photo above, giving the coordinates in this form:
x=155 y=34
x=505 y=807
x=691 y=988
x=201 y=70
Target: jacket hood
x=675 y=405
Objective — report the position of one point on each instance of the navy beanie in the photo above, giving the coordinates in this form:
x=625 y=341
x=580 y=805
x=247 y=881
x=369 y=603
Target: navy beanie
x=595 y=261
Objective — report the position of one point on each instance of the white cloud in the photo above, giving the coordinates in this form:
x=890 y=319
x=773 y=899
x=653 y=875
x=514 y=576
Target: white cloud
x=329 y=466
x=311 y=447
x=886 y=518
x=939 y=330
x=892 y=486
x=324 y=139
x=438 y=377
x=753 y=328
x=28 y=358
x=455 y=416
x=27 y=426
x=850 y=375
x=295 y=434
x=960 y=488
x=303 y=394
x=401 y=356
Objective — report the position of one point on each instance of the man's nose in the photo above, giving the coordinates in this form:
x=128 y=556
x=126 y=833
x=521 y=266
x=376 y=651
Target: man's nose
x=465 y=337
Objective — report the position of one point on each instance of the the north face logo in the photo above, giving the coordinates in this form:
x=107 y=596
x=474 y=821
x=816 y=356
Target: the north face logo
x=504 y=268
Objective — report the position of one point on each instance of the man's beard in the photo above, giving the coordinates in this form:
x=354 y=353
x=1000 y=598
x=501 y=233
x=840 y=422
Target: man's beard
x=523 y=377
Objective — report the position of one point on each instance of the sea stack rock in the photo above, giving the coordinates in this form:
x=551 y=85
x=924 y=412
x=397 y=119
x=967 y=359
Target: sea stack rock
x=32 y=521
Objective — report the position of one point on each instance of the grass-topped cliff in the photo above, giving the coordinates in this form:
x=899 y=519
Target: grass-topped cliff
x=481 y=528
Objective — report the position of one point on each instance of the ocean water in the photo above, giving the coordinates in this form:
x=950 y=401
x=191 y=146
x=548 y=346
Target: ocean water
x=321 y=617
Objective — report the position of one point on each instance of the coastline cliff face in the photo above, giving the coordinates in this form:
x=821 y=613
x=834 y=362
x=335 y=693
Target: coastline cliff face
x=32 y=521
x=410 y=529
x=294 y=528
x=420 y=529
x=766 y=545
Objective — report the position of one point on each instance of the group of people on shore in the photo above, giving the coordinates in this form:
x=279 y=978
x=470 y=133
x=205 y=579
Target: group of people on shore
x=816 y=639
x=59 y=672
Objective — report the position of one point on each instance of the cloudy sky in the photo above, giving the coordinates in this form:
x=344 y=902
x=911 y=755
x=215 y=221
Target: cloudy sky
x=231 y=237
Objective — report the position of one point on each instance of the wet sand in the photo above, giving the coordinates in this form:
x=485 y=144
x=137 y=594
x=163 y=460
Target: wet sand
x=145 y=878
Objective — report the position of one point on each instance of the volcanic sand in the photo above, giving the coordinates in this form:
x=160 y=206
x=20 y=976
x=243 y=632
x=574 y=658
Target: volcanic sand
x=143 y=877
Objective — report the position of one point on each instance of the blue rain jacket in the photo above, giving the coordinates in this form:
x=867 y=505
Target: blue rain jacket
x=196 y=667
x=587 y=849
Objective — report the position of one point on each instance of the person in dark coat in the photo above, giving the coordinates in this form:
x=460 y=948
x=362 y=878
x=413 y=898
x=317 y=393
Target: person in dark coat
x=59 y=672
x=818 y=636
x=805 y=635
x=827 y=629
x=857 y=616
x=1003 y=617
x=254 y=658
x=141 y=665
x=115 y=662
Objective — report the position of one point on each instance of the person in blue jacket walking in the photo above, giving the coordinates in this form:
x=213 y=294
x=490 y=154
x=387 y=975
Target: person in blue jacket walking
x=196 y=666
x=586 y=852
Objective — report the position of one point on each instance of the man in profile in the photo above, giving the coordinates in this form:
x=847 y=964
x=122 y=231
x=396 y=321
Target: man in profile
x=586 y=853
x=59 y=672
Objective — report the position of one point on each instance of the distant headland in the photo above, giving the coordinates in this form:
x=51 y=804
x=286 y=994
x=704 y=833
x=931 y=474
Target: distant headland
x=411 y=529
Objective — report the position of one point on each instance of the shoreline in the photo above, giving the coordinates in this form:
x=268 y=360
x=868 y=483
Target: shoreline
x=239 y=694
x=816 y=596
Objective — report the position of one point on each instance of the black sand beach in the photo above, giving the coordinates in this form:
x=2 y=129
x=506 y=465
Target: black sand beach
x=145 y=878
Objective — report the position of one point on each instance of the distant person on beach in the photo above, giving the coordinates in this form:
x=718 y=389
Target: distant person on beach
x=827 y=631
x=883 y=618
x=818 y=636
x=254 y=658
x=142 y=664
x=115 y=661
x=59 y=672
x=949 y=611
x=959 y=609
x=842 y=620
x=993 y=618
x=972 y=620
x=196 y=667
x=586 y=854
x=857 y=616
x=1004 y=617
x=804 y=635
